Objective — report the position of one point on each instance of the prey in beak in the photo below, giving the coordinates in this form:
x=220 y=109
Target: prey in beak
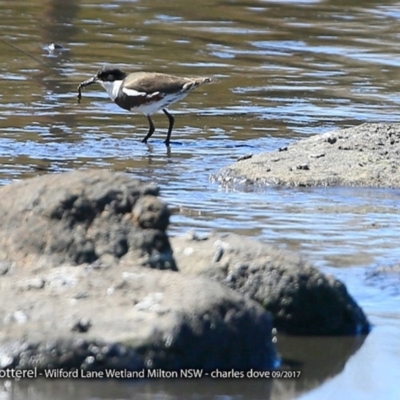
x=88 y=82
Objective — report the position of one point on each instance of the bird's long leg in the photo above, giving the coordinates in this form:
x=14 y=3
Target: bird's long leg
x=171 y=125
x=151 y=129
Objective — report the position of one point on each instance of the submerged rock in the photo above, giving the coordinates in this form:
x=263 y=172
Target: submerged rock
x=302 y=300
x=367 y=155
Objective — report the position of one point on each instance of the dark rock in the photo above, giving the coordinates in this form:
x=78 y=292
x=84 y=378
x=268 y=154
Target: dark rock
x=302 y=300
x=82 y=217
x=245 y=157
x=367 y=155
x=304 y=167
x=82 y=325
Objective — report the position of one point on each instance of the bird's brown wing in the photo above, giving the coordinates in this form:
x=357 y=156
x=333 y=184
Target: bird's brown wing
x=152 y=82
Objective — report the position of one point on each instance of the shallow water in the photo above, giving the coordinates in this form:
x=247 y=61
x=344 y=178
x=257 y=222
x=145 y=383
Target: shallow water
x=284 y=70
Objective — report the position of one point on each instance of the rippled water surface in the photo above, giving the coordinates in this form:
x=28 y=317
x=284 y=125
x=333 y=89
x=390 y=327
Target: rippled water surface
x=284 y=71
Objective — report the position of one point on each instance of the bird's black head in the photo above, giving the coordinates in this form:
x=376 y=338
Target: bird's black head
x=110 y=74
x=105 y=74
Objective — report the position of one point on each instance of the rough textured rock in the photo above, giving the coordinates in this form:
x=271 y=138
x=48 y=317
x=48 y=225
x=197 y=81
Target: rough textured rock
x=135 y=319
x=83 y=217
x=74 y=293
x=367 y=155
x=302 y=300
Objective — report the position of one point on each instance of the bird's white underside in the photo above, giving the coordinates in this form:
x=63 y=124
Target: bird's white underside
x=113 y=88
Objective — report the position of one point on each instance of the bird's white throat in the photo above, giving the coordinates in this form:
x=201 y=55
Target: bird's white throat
x=112 y=88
